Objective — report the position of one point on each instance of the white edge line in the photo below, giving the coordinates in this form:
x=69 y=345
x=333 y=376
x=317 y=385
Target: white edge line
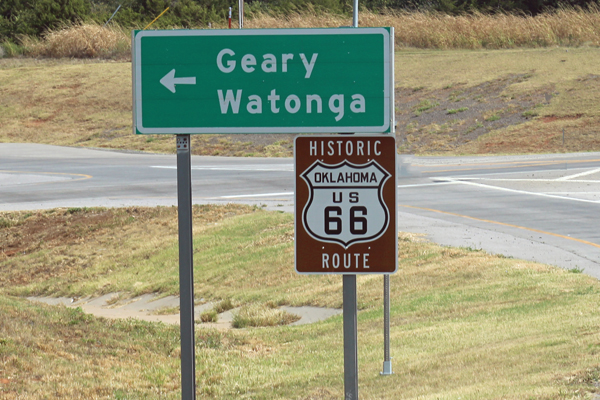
x=256 y=195
x=522 y=191
x=427 y=184
x=519 y=180
x=209 y=168
x=569 y=177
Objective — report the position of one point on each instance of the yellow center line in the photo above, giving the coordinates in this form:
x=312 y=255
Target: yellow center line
x=82 y=176
x=503 y=224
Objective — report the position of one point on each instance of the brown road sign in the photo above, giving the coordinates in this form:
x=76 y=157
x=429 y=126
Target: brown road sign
x=345 y=204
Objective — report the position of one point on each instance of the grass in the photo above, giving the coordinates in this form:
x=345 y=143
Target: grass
x=463 y=323
x=255 y=315
x=209 y=316
x=424 y=106
x=73 y=101
x=493 y=117
x=88 y=104
x=568 y=26
x=88 y=40
x=568 y=90
x=457 y=110
x=224 y=305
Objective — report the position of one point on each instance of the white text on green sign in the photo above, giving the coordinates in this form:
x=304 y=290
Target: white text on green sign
x=263 y=81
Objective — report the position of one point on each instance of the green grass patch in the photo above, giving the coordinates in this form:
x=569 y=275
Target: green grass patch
x=463 y=323
x=425 y=105
x=10 y=49
x=457 y=110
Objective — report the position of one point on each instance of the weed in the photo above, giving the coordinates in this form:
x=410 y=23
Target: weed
x=456 y=111
x=425 y=105
x=10 y=49
x=472 y=249
x=224 y=305
x=261 y=315
x=209 y=316
x=166 y=311
x=209 y=339
x=119 y=395
x=474 y=127
x=411 y=127
x=576 y=270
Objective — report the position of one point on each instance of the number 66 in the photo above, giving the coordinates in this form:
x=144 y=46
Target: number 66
x=333 y=220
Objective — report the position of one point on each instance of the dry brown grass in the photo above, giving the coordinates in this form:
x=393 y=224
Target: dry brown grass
x=79 y=102
x=563 y=27
x=82 y=102
x=254 y=315
x=308 y=19
x=81 y=41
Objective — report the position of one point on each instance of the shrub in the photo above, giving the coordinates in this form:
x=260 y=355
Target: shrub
x=34 y=17
x=10 y=49
x=81 y=41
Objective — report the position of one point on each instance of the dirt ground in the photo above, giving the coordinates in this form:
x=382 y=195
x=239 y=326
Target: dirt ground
x=500 y=102
x=446 y=119
x=487 y=118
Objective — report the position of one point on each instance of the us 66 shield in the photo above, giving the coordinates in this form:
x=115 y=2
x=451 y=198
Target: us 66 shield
x=345 y=205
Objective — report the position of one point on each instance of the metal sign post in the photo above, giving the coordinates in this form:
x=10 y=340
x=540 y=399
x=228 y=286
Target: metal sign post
x=350 y=338
x=387 y=360
x=345 y=216
x=285 y=81
x=186 y=268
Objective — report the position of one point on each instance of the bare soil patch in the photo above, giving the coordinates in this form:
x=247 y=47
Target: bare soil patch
x=450 y=102
x=445 y=119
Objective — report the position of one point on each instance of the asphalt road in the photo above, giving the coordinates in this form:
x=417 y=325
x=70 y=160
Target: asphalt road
x=542 y=208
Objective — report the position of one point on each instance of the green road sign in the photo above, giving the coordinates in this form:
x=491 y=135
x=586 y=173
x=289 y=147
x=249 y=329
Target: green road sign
x=263 y=81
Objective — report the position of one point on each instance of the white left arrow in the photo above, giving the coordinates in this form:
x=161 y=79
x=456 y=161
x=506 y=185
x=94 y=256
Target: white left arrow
x=169 y=81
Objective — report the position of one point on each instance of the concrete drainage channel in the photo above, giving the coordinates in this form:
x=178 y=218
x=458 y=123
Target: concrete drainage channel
x=147 y=308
